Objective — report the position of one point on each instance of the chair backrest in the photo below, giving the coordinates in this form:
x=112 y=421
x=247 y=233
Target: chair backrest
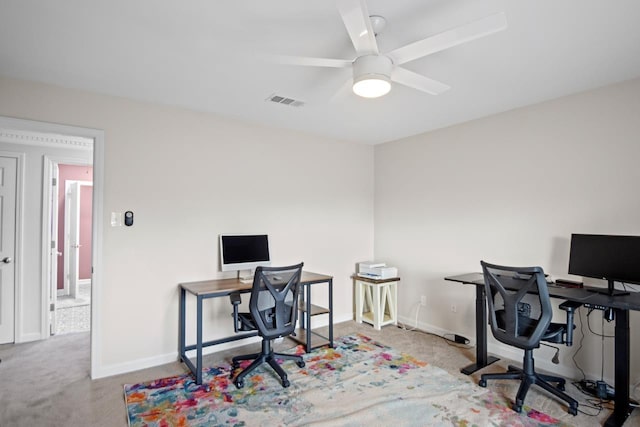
x=520 y=309
x=274 y=295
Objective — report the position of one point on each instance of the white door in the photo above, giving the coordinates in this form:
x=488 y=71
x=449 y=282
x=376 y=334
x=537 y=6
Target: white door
x=8 y=183
x=72 y=235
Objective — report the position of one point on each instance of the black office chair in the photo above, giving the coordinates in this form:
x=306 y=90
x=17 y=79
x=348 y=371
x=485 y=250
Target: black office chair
x=273 y=310
x=520 y=315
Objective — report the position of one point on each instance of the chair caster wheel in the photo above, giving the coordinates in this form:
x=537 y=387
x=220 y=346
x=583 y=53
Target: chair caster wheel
x=300 y=364
x=239 y=384
x=517 y=406
x=482 y=383
x=285 y=383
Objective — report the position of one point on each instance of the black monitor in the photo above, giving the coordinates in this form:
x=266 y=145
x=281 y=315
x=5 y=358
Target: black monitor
x=243 y=251
x=612 y=258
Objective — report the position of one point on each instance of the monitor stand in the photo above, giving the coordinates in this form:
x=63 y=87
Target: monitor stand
x=247 y=278
x=609 y=290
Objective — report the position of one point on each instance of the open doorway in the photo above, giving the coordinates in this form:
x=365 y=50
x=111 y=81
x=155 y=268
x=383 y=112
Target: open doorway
x=71 y=219
x=42 y=145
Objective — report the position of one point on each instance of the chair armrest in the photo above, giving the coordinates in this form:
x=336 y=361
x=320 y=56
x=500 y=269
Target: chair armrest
x=235 y=299
x=570 y=307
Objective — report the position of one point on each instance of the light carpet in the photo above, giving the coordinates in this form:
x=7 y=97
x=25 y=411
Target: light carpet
x=359 y=382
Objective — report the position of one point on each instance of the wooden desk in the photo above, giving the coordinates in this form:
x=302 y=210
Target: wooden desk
x=621 y=305
x=224 y=287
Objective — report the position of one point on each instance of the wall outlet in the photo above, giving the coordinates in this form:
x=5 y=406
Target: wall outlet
x=454 y=309
x=423 y=300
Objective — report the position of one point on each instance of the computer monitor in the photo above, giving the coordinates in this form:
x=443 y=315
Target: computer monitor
x=243 y=251
x=608 y=257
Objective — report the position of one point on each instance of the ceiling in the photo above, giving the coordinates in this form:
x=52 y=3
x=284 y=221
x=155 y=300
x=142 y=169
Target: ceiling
x=213 y=56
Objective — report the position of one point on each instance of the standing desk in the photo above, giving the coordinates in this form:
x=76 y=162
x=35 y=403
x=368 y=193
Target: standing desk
x=621 y=305
x=224 y=287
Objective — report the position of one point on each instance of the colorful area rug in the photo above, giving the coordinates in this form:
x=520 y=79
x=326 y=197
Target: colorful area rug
x=360 y=382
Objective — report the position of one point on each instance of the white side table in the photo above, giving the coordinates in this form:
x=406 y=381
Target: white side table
x=376 y=300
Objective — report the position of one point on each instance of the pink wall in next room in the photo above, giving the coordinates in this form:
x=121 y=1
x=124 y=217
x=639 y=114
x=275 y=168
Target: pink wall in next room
x=75 y=173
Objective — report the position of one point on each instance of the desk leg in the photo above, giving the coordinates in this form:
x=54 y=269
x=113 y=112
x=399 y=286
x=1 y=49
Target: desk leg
x=482 y=359
x=621 y=408
x=308 y=314
x=199 y=342
x=182 y=343
x=331 y=313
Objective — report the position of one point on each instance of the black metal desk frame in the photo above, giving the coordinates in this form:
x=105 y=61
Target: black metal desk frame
x=622 y=355
x=224 y=287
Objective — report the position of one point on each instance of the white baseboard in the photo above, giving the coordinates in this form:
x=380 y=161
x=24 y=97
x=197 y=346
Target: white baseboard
x=33 y=336
x=134 y=365
x=150 y=362
x=503 y=351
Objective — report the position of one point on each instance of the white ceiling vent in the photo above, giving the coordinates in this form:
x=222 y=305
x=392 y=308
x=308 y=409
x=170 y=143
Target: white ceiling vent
x=278 y=99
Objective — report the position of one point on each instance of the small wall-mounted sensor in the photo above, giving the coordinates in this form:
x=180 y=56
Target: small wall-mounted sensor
x=128 y=218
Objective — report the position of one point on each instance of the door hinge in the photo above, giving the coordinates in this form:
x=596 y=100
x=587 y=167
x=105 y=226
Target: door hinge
x=54 y=182
x=53 y=244
x=52 y=307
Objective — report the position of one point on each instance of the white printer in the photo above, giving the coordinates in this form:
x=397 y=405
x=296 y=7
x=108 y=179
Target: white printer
x=376 y=270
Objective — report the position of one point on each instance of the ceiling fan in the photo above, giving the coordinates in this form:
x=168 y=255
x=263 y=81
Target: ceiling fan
x=373 y=71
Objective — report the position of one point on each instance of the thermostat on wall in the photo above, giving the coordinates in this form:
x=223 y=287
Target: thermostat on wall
x=128 y=218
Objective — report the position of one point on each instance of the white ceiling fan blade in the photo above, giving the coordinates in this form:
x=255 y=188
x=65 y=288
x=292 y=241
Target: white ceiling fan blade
x=418 y=81
x=356 y=18
x=311 y=62
x=471 y=31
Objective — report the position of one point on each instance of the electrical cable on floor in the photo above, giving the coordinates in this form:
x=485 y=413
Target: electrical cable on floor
x=591 y=403
x=415 y=328
x=450 y=339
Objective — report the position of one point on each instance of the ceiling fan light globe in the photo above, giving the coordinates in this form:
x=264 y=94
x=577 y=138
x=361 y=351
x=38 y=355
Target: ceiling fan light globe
x=372 y=75
x=372 y=86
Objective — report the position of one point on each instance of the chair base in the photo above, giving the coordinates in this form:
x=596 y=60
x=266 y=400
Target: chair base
x=529 y=377
x=267 y=355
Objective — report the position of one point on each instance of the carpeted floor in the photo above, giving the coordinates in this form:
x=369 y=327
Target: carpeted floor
x=47 y=383
x=74 y=314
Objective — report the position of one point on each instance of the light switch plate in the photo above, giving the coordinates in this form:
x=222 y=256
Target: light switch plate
x=116 y=219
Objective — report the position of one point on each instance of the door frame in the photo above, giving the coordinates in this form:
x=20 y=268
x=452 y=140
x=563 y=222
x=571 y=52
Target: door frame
x=17 y=275
x=98 y=138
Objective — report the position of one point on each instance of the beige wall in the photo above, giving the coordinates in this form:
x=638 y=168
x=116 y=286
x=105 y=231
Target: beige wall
x=509 y=188
x=188 y=177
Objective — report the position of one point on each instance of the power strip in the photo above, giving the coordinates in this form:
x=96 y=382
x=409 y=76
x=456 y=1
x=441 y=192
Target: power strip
x=599 y=389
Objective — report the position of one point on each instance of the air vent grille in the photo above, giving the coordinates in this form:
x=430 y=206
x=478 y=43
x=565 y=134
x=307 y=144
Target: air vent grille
x=278 y=99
